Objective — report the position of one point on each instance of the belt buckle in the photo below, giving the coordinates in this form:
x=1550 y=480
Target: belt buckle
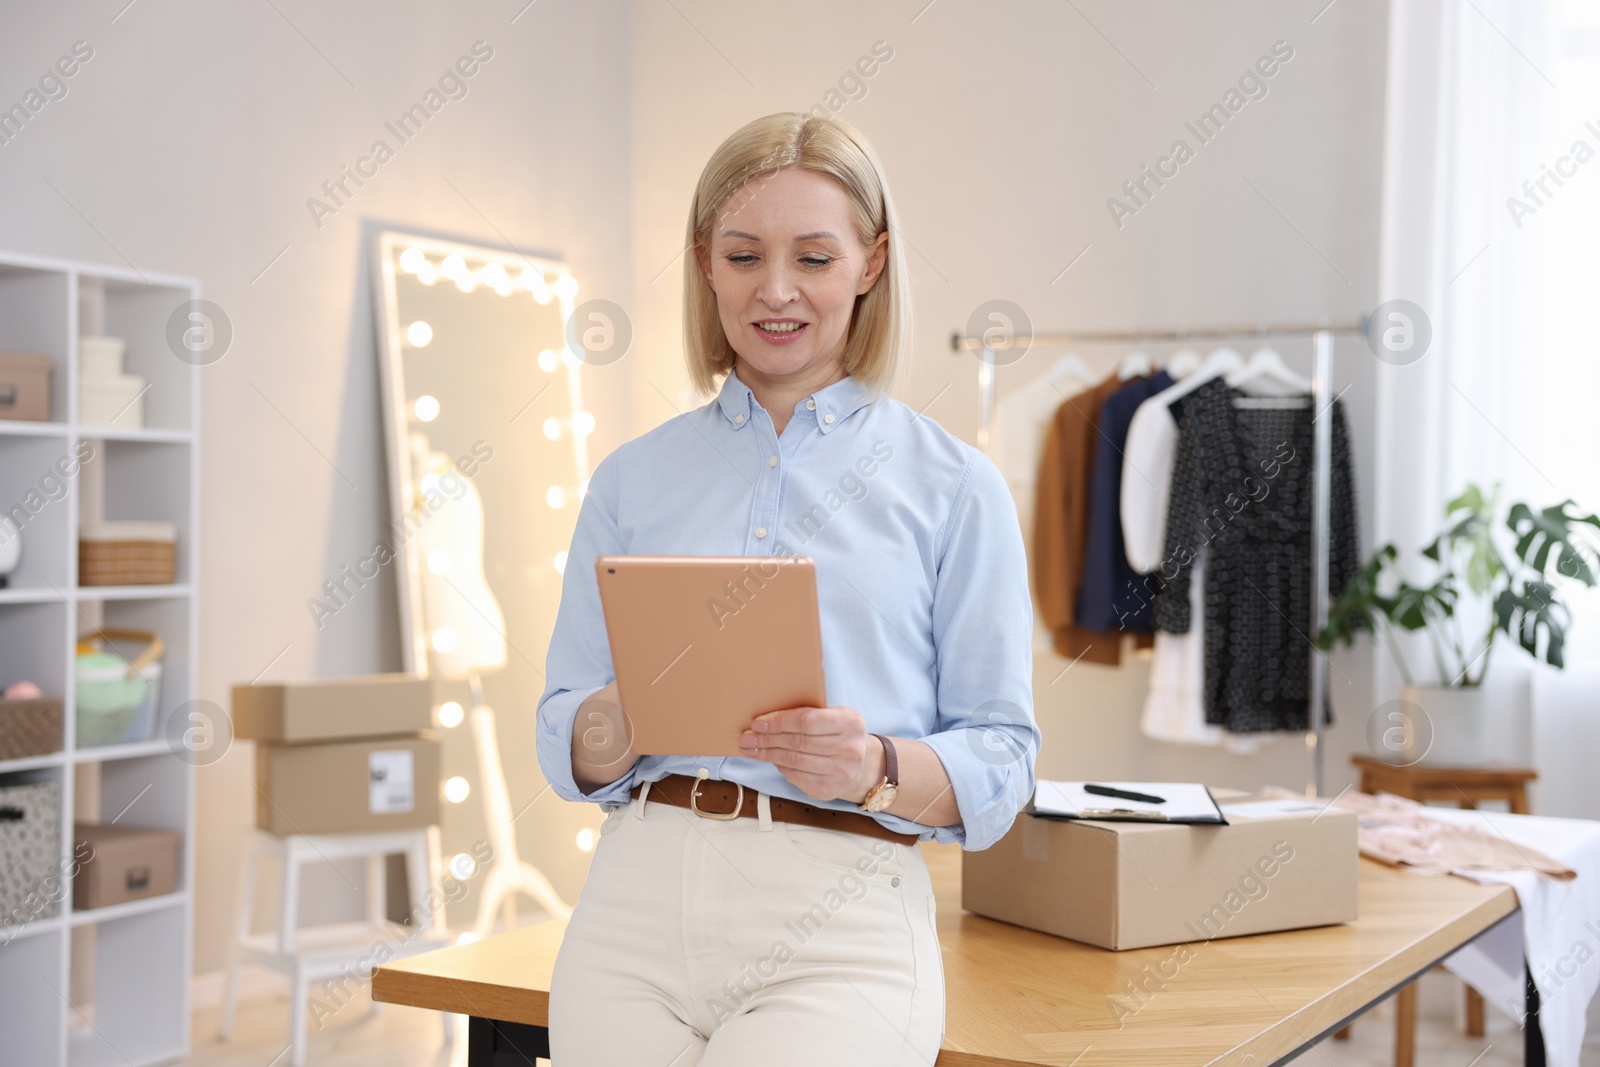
x=694 y=795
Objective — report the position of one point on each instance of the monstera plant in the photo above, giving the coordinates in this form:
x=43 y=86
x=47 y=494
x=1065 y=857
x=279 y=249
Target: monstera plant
x=1516 y=567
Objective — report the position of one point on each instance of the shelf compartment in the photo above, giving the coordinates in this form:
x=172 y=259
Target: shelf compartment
x=33 y=640
x=142 y=480
x=36 y=316
x=139 y=989
x=37 y=480
x=139 y=314
x=32 y=983
x=133 y=592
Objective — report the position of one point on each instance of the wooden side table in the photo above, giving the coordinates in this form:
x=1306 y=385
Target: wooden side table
x=1466 y=786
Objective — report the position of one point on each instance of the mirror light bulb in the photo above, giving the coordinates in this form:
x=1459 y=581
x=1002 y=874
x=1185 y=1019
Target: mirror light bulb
x=495 y=277
x=549 y=361
x=566 y=287
x=585 y=840
x=412 y=259
x=552 y=427
x=560 y=562
x=583 y=423
x=427 y=408
x=466 y=283
x=457 y=789
x=430 y=483
x=450 y=714
x=463 y=866
x=427 y=274
x=555 y=496
x=418 y=334
x=439 y=561
x=453 y=267
x=530 y=279
x=444 y=640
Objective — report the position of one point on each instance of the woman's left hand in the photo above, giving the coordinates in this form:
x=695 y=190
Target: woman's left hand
x=827 y=752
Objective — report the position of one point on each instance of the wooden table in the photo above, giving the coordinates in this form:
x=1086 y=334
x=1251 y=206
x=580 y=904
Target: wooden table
x=1015 y=997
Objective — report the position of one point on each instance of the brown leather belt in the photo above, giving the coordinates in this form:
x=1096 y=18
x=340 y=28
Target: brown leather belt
x=717 y=799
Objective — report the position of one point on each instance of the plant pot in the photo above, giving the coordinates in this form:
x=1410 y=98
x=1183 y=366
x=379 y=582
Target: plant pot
x=1468 y=726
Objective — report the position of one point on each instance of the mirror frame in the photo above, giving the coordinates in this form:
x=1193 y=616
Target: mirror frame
x=402 y=494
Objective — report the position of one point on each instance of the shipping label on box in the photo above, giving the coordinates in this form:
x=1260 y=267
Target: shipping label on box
x=391 y=780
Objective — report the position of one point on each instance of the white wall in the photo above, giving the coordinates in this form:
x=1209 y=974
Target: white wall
x=190 y=144
x=1004 y=129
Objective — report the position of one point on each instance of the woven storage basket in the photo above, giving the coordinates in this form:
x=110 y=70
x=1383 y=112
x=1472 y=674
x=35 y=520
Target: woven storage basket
x=30 y=727
x=127 y=553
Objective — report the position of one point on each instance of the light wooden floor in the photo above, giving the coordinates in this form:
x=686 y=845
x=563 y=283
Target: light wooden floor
x=406 y=1037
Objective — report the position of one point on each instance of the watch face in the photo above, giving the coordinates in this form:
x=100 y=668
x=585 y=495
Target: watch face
x=884 y=796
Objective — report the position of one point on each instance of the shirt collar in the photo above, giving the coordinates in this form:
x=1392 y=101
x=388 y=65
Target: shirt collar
x=834 y=403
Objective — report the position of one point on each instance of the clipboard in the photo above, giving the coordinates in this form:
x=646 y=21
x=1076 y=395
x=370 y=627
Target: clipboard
x=1184 y=803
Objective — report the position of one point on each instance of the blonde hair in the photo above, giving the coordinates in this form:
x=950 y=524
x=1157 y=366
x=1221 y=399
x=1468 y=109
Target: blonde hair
x=879 y=340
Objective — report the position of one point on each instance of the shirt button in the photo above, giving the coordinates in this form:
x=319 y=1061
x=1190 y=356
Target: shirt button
x=738 y=418
x=761 y=531
x=811 y=405
x=828 y=419
x=772 y=461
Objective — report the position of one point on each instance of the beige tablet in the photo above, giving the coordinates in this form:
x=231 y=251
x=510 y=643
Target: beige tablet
x=704 y=644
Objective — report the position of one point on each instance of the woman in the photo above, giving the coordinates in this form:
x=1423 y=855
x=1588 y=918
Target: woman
x=767 y=937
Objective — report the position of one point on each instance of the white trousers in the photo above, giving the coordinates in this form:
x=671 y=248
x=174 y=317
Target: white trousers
x=747 y=941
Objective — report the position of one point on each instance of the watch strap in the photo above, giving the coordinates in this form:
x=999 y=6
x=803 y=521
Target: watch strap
x=891 y=764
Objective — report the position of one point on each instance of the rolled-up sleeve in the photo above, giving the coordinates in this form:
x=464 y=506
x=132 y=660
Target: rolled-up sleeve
x=985 y=734
x=579 y=660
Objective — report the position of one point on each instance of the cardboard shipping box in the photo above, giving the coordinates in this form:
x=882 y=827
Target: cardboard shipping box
x=1279 y=864
x=376 y=705
x=339 y=787
x=122 y=863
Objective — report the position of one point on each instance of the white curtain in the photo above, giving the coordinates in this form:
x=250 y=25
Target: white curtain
x=1491 y=224
x=1486 y=101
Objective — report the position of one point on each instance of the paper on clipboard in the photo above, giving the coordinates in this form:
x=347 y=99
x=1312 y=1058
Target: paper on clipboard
x=1184 y=802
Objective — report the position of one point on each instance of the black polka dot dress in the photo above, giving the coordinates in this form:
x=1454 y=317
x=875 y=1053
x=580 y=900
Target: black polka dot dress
x=1242 y=492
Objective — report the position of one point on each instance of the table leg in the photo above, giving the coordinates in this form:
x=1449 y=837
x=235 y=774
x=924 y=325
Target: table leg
x=1532 y=1036
x=1474 y=1013
x=1342 y=1035
x=499 y=1044
x=1405 y=1026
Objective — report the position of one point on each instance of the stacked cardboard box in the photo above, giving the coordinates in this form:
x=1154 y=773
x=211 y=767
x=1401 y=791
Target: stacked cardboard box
x=353 y=755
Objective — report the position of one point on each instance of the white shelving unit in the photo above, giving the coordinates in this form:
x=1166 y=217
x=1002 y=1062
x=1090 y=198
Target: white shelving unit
x=109 y=985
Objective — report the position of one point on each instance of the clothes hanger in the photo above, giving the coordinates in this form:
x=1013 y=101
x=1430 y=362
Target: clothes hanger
x=1268 y=378
x=1069 y=366
x=1134 y=365
x=1218 y=363
x=1183 y=363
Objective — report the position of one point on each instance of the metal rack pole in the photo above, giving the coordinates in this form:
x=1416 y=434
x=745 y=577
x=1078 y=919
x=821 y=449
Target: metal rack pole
x=1321 y=531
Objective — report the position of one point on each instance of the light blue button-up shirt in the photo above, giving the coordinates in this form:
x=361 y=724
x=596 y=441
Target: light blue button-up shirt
x=921 y=581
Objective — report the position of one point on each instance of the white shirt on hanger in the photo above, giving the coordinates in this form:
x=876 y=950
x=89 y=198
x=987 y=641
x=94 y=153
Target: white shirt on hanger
x=1016 y=444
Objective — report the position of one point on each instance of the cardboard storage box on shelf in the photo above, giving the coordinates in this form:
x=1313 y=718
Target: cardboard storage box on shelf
x=25 y=386
x=1278 y=865
x=368 y=785
x=371 y=706
x=121 y=863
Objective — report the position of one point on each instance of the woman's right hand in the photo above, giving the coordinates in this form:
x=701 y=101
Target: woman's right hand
x=600 y=750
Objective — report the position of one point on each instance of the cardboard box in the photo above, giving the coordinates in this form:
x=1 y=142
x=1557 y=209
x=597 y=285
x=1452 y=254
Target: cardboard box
x=378 y=705
x=1278 y=865
x=341 y=787
x=122 y=863
x=25 y=386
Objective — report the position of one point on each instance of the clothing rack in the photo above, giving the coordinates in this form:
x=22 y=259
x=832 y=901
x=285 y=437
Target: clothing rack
x=1322 y=335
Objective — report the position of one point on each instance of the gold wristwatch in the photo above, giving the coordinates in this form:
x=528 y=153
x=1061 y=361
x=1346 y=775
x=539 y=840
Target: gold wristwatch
x=883 y=794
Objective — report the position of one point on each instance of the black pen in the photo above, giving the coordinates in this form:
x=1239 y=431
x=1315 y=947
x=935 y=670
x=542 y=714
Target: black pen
x=1122 y=794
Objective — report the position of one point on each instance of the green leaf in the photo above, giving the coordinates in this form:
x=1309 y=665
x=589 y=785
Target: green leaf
x=1525 y=613
x=1553 y=531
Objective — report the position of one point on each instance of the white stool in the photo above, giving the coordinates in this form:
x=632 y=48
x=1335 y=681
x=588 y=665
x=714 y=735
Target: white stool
x=339 y=950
